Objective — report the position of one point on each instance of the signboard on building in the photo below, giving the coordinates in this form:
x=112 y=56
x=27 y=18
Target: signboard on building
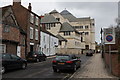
x=109 y=36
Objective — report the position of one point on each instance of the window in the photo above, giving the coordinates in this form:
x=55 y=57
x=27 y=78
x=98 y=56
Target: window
x=31 y=18
x=54 y=25
x=86 y=46
x=67 y=33
x=15 y=57
x=81 y=27
x=58 y=19
x=37 y=21
x=36 y=34
x=60 y=43
x=31 y=33
x=81 y=39
x=47 y=26
x=2 y=48
x=6 y=56
x=6 y=28
x=86 y=27
x=86 y=33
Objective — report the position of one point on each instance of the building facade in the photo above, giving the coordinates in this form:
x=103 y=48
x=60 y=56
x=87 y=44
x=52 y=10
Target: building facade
x=30 y=23
x=12 y=35
x=49 y=43
x=79 y=32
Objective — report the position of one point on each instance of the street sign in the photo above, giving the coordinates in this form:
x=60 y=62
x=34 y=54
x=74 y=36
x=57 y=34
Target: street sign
x=109 y=36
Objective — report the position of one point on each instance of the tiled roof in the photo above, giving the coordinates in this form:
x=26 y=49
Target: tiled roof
x=61 y=38
x=66 y=14
x=48 y=19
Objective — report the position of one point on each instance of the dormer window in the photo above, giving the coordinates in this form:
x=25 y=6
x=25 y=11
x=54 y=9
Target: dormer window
x=67 y=33
x=58 y=19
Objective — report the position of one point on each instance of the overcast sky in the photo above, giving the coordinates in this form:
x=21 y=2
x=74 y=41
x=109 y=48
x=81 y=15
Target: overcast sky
x=104 y=13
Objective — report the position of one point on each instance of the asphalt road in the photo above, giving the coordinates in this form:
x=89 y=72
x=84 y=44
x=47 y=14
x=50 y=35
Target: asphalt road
x=41 y=70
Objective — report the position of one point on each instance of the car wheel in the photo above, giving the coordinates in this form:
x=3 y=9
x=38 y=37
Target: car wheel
x=75 y=68
x=24 y=65
x=55 y=70
x=44 y=59
x=37 y=60
x=3 y=69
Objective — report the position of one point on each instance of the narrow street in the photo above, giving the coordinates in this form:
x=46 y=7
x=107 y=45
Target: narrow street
x=41 y=70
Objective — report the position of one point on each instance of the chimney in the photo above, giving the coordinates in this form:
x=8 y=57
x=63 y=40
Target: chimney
x=29 y=7
x=16 y=2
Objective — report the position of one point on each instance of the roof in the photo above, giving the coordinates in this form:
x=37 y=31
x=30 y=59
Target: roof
x=48 y=19
x=67 y=27
x=47 y=32
x=54 y=11
x=61 y=38
x=4 y=9
x=66 y=14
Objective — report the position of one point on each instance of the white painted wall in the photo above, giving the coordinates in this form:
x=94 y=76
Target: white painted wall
x=48 y=43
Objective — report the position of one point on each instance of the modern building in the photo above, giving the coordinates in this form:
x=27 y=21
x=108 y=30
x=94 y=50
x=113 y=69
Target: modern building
x=79 y=32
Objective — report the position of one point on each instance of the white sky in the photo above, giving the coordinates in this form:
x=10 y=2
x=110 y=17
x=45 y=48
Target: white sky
x=103 y=11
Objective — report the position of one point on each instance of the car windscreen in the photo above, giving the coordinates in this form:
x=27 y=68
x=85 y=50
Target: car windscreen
x=62 y=58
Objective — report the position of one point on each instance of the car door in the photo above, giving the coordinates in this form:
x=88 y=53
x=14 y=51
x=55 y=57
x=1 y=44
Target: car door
x=16 y=61
x=76 y=61
x=7 y=61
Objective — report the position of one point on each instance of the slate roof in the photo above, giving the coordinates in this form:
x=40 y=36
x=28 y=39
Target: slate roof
x=61 y=38
x=67 y=27
x=66 y=14
x=54 y=11
x=48 y=19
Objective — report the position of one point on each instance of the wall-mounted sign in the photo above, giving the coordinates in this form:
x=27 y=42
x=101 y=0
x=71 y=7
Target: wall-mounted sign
x=109 y=36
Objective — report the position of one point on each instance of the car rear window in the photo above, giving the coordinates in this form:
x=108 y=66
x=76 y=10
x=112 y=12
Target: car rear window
x=62 y=58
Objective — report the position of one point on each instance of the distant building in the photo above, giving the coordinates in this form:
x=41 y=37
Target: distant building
x=79 y=33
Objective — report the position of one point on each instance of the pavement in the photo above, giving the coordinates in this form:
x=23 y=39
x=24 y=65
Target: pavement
x=93 y=68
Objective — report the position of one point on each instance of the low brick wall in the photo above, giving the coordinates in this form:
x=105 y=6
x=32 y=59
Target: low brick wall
x=115 y=65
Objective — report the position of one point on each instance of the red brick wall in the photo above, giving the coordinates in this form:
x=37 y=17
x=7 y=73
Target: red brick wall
x=115 y=63
x=11 y=47
x=12 y=35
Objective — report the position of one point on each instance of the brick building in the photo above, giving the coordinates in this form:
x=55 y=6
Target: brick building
x=29 y=22
x=12 y=36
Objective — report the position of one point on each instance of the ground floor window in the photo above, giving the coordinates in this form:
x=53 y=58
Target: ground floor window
x=2 y=48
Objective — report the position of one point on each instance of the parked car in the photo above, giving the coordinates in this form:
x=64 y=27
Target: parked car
x=68 y=61
x=89 y=53
x=10 y=61
x=36 y=56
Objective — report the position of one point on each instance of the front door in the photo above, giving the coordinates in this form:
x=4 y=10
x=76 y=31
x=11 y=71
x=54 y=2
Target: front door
x=18 y=51
x=31 y=48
